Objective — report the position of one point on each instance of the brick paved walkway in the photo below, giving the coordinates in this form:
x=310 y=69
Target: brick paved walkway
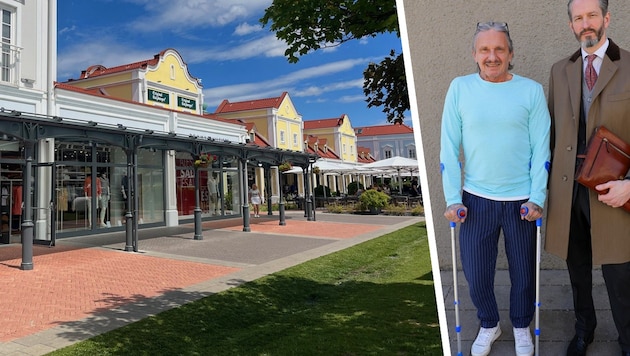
x=88 y=285
x=70 y=284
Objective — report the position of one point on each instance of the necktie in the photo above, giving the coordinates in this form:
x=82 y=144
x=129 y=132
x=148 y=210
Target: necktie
x=591 y=74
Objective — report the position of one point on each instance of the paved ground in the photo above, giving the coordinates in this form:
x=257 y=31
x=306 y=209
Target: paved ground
x=89 y=285
x=556 y=315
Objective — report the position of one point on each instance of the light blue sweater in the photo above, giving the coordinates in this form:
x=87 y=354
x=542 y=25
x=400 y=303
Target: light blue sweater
x=503 y=129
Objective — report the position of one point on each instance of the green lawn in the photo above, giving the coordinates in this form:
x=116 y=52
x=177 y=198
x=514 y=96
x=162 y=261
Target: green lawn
x=375 y=298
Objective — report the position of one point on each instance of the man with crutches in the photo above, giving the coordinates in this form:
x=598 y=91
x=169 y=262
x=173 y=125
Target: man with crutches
x=500 y=122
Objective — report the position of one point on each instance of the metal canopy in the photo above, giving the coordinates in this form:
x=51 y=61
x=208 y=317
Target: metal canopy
x=28 y=127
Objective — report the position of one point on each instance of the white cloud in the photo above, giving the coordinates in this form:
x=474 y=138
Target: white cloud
x=245 y=29
x=106 y=52
x=289 y=82
x=351 y=99
x=66 y=29
x=109 y=52
x=318 y=90
x=317 y=101
x=268 y=46
x=177 y=15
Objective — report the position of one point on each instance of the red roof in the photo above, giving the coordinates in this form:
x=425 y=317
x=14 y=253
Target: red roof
x=324 y=123
x=259 y=140
x=392 y=129
x=267 y=103
x=319 y=147
x=101 y=93
x=364 y=155
x=98 y=70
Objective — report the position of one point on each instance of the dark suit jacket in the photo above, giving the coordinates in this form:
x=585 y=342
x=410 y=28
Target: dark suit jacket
x=610 y=227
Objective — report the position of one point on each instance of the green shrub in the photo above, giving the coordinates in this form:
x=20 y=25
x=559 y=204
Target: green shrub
x=399 y=210
x=354 y=187
x=373 y=199
x=417 y=210
x=319 y=191
x=335 y=209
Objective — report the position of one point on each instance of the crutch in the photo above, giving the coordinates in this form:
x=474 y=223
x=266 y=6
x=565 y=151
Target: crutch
x=462 y=214
x=524 y=212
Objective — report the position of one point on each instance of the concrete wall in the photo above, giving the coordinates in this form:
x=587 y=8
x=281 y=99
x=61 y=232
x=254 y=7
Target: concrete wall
x=440 y=48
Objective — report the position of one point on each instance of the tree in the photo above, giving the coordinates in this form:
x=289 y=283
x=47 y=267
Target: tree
x=309 y=25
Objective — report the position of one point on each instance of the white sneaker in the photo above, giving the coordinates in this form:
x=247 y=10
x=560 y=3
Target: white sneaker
x=484 y=340
x=523 y=344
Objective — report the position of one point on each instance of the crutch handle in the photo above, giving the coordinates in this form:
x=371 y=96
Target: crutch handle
x=461 y=213
x=524 y=210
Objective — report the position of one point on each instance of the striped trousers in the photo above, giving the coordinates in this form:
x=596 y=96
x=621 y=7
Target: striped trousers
x=479 y=239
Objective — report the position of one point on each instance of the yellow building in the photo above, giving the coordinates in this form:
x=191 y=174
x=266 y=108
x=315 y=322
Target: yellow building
x=163 y=81
x=339 y=134
x=275 y=118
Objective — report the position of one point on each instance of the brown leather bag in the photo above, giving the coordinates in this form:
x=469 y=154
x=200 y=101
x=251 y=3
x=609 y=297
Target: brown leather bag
x=607 y=158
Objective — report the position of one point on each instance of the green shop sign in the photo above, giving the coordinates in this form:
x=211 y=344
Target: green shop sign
x=158 y=96
x=186 y=103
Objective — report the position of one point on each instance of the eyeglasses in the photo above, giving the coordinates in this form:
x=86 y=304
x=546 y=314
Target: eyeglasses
x=484 y=26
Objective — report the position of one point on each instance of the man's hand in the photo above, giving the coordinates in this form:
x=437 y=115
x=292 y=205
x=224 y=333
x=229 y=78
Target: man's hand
x=617 y=192
x=452 y=215
x=534 y=212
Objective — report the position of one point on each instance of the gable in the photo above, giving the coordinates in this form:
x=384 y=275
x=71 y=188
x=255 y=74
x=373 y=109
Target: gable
x=287 y=110
x=172 y=72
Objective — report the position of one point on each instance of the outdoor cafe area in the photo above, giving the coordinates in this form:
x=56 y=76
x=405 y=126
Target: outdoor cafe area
x=340 y=183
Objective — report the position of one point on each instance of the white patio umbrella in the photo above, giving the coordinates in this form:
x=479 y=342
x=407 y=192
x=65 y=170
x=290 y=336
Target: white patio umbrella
x=397 y=164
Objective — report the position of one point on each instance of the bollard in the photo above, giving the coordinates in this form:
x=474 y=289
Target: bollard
x=313 y=207
x=308 y=204
x=281 y=212
x=128 y=232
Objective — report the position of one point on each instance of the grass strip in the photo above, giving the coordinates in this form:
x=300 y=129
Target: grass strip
x=375 y=298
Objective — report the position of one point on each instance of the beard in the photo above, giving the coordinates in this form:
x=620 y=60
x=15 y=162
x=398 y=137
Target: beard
x=590 y=41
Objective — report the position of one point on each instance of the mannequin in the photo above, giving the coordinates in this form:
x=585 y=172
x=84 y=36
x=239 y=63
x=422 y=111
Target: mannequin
x=124 y=192
x=17 y=206
x=104 y=201
x=213 y=194
x=87 y=189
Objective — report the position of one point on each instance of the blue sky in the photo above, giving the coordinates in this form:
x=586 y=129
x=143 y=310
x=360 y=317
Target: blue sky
x=224 y=45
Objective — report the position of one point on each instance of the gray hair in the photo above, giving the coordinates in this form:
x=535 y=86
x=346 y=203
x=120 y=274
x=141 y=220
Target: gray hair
x=603 y=4
x=499 y=27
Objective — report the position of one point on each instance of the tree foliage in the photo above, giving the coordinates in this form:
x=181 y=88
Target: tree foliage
x=309 y=25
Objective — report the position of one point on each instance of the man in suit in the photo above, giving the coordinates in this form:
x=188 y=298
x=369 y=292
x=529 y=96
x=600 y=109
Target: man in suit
x=590 y=228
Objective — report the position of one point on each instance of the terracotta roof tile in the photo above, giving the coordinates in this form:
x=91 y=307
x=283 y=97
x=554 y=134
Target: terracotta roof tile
x=99 y=70
x=267 y=103
x=323 y=123
x=364 y=155
x=392 y=129
x=322 y=150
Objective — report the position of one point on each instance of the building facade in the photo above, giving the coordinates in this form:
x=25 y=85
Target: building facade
x=387 y=141
x=116 y=148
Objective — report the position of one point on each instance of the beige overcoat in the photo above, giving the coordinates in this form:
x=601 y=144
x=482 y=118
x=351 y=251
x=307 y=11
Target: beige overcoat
x=610 y=227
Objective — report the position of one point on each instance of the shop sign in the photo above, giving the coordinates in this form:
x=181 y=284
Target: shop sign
x=186 y=103
x=158 y=96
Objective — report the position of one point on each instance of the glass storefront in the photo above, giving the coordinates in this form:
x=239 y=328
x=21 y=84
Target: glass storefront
x=219 y=186
x=10 y=188
x=92 y=186
x=81 y=186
